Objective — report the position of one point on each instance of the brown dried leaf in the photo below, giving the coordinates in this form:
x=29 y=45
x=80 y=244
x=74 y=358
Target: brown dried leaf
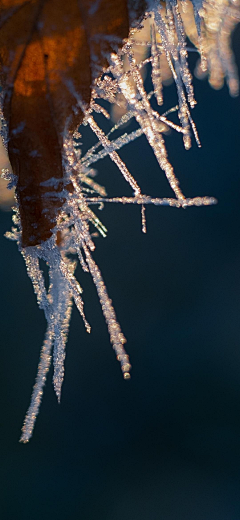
x=50 y=49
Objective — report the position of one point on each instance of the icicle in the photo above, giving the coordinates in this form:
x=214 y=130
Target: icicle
x=116 y=336
x=156 y=69
x=61 y=303
x=145 y=199
x=145 y=118
x=113 y=155
x=75 y=290
x=171 y=52
x=186 y=76
x=168 y=123
x=94 y=185
x=115 y=145
x=194 y=129
x=97 y=223
x=37 y=279
x=43 y=367
x=143 y=213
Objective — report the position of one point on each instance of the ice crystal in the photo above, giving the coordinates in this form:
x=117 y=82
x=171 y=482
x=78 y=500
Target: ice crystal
x=162 y=42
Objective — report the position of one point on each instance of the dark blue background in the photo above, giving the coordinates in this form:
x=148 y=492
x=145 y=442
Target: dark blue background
x=165 y=445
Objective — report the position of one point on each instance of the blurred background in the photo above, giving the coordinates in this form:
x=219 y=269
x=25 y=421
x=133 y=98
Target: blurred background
x=166 y=444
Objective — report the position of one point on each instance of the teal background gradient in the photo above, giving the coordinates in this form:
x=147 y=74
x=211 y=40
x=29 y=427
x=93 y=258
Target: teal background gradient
x=166 y=444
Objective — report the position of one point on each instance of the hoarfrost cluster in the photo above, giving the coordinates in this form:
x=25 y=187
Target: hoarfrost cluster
x=160 y=40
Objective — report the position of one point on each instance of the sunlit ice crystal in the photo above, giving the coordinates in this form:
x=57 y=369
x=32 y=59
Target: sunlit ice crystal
x=159 y=40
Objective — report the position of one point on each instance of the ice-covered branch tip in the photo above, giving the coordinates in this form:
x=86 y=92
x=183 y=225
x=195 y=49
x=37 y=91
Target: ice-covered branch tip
x=160 y=41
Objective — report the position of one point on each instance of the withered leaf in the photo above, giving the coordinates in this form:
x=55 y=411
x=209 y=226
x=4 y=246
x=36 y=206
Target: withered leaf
x=50 y=50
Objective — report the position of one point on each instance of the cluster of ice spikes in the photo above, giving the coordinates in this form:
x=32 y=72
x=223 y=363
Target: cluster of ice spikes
x=162 y=42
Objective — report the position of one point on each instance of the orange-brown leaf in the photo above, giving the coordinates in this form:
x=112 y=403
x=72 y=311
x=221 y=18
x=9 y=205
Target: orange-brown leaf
x=50 y=50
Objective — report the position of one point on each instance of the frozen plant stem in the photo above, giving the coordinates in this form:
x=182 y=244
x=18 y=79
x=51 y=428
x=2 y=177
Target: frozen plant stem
x=163 y=33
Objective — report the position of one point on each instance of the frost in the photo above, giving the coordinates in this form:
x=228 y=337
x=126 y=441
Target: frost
x=160 y=41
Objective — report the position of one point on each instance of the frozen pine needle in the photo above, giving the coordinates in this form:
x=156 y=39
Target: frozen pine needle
x=160 y=41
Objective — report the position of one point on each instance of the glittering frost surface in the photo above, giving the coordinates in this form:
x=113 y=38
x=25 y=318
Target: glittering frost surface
x=160 y=41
